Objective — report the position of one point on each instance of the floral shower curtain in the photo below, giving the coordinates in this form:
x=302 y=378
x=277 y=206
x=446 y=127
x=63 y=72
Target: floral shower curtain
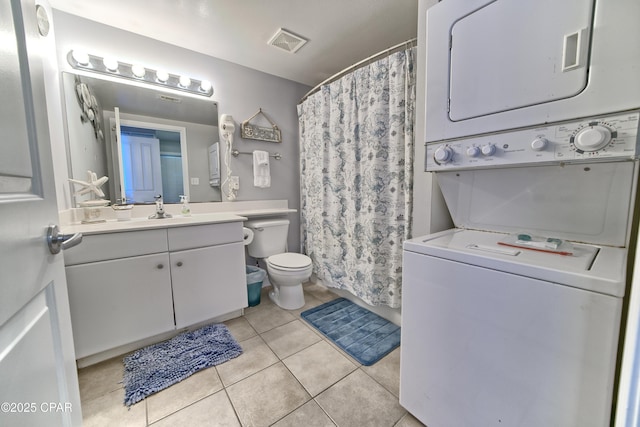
x=356 y=154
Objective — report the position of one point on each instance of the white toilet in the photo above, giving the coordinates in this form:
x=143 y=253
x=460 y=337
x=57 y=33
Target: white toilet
x=287 y=270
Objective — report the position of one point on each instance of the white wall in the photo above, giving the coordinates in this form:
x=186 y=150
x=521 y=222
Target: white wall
x=238 y=90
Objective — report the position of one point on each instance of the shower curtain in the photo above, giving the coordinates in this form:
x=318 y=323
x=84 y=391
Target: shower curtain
x=356 y=160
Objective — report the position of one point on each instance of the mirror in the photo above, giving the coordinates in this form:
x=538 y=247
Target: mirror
x=186 y=127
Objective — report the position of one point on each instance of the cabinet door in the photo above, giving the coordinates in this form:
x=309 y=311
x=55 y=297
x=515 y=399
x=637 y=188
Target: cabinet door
x=208 y=282
x=120 y=301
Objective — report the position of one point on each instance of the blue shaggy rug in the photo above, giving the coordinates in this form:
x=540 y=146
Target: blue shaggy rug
x=156 y=367
x=364 y=335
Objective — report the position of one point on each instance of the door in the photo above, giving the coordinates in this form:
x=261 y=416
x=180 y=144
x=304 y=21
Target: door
x=37 y=362
x=207 y=282
x=110 y=313
x=141 y=167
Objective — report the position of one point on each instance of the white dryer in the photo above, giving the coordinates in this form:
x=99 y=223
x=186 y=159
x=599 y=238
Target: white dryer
x=493 y=65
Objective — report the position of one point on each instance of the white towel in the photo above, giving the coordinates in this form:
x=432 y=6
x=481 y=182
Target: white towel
x=261 y=172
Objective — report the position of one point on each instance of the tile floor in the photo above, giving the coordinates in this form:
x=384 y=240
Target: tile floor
x=288 y=375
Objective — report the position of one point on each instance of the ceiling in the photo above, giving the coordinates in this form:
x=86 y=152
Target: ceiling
x=340 y=32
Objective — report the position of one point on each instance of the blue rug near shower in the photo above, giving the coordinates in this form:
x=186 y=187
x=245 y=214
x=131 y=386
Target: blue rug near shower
x=158 y=366
x=365 y=336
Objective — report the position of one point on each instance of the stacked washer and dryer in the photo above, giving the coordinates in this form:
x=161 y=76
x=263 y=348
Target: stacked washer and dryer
x=514 y=316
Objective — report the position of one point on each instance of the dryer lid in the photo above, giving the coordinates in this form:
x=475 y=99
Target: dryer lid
x=289 y=260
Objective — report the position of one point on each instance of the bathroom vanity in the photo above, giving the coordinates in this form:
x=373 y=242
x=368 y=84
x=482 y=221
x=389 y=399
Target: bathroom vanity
x=136 y=282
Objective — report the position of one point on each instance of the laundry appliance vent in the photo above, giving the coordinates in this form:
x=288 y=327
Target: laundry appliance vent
x=285 y=40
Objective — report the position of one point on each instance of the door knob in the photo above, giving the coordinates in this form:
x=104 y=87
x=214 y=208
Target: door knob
x=58 y=241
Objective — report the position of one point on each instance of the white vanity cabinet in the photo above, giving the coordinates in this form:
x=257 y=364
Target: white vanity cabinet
x=119 y=289
x=207 y=271
x=128 y=286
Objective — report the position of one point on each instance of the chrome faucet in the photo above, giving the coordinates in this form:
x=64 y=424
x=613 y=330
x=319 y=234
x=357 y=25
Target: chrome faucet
x=160 y=213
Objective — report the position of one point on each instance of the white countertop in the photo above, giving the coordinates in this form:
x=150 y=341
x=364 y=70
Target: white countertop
x=142 y=223
x=202 y=213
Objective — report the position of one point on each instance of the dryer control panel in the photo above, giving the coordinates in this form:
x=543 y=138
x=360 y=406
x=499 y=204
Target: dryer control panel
x=594 y=139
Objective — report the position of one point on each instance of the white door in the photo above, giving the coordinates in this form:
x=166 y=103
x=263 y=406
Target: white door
x=37 y=364
x=141 y=168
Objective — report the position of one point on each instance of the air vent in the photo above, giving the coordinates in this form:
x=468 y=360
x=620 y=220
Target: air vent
x=287 y=41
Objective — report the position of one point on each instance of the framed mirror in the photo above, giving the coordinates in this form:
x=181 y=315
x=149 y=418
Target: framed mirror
x=181 y=127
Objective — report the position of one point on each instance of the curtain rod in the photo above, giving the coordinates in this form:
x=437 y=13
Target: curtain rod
x=357 y=65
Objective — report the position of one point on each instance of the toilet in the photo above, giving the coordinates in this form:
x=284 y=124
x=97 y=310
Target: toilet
x=286 y=270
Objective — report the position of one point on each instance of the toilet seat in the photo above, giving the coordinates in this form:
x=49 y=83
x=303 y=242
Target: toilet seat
x=289 y=261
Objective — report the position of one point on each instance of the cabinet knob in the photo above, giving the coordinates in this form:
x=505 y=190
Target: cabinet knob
x=160 y=266
x=179 y=263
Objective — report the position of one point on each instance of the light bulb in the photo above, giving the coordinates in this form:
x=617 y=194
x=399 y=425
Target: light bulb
x=110 y=64
x=162 y=76
x=205 y=85
x=138 y=71
x=185 y=81
x=80 y=56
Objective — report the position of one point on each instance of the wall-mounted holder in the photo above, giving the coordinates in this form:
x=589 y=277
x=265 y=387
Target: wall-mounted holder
x=270 y=134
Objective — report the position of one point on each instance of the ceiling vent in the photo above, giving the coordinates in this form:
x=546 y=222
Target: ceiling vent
x=287 y=41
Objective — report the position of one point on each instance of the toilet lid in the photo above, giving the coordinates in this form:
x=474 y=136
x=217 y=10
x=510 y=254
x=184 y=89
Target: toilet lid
x=289 y=260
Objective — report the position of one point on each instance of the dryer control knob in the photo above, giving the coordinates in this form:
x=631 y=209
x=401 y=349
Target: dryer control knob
x=488 y=150
x=443 y=154
x=592 y=138
x=473 y=151
x=539 y=144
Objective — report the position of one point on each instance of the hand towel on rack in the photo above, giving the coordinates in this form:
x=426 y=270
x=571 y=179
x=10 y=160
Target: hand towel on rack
x=261 y=172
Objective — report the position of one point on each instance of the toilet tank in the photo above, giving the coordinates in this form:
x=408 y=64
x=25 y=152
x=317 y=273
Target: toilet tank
x=270 y=237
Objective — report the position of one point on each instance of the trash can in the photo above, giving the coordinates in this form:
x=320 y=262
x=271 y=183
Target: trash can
x=255 y=276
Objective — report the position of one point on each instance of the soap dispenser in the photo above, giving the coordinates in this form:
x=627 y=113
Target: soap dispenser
x=186 y=211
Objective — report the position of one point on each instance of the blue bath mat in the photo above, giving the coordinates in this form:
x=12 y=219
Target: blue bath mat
x=158 y=366
x=366 y=336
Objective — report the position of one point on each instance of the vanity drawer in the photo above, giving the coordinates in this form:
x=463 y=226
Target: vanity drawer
x=199 y=236
x=102 y=247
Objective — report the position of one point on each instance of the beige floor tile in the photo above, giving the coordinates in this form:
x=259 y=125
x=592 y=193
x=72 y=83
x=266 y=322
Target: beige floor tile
x=290 y=338
x=101 y=378
x=309 y=302
x=318 y=367
x=336 y=347
x=267 y=396
x=320 y=292
x=256 y=355
x=240 y=329
x=387 y=371
x=358 y=400
x=308 y=415
x=109 y=410
x=268 y=317
x=409 y=421
x=184 y=393
x=215 y=410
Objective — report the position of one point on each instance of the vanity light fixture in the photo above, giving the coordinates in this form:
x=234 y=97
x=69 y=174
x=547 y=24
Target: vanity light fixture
x=87 y=62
